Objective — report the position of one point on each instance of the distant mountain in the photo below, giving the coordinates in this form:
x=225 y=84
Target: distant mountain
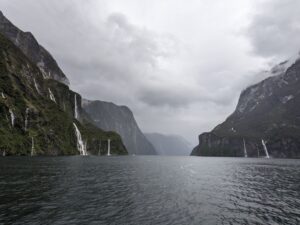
x=111 y=117
x=37 y=54
x=38 y=114
x=169 y=144
x=266 y=119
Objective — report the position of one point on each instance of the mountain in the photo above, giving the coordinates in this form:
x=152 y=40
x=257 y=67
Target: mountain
x=36 y=53
x=41 y=115
x=169 y=144
x=111 y=117
x=266 y=119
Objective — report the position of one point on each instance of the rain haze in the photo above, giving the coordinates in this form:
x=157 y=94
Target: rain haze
x=180 y=66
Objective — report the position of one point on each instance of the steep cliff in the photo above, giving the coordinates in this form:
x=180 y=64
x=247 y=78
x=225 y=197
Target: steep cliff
x=38 y=115
x=26 y=42
x=111 y=117
x=266 y=120
x=169 y=144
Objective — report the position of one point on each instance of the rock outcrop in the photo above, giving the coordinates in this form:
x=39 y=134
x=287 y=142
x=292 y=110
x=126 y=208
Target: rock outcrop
x=111 y=117
x=38 y=114
x=36 y=53
x=267 y=112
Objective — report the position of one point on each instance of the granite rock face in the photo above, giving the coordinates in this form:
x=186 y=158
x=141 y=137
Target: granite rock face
x=268 y=111
x=36 y=53
x=41 y=112
x=111 y=117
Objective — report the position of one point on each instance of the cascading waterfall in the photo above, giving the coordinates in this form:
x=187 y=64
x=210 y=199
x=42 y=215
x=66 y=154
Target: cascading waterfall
x=245 y=149
x=51 y=95
x=80 y=145
x=12 y=117
x=32 y=147
x=265 y=149
x=108 y=147
x=26 y=118
x=2 y=94
x=76 y=114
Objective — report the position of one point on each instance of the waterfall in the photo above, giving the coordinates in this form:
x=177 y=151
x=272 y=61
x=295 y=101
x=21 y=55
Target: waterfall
x=32 y=147
x=265 y=148
x=76 y=114
x=26 y=118
x=36 y=86
x=3 y=153
x=12 y=117
x=2 y=94
x=80 y=145
x=51 y=95
x=108 y=147
x=245 y=149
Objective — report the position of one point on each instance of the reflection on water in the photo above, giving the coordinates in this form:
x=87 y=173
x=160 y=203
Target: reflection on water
x=149 y=190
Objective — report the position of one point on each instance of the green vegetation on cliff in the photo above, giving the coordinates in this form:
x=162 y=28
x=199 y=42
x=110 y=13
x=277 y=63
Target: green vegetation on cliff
x=33 y=107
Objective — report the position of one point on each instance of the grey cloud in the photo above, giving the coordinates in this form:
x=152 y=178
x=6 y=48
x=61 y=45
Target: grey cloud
x=177 y=96
x=158 y=97
x=275 y=29
x=192 y=75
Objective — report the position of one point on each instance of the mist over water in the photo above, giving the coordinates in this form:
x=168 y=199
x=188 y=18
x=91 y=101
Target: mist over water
x=149 y=190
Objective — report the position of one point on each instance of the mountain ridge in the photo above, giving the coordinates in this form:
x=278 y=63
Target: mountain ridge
x=111 y=117
x=27 y=43
x=42 y=116
x=267 y=112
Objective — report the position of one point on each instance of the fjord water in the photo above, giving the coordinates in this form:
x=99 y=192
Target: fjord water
x=149 y=190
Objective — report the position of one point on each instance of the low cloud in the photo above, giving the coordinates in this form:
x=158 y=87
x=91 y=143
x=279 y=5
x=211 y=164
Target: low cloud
x=275 y=29
x=179 y=67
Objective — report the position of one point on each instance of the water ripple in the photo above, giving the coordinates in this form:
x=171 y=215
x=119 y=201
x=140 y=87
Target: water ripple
x=149 y=190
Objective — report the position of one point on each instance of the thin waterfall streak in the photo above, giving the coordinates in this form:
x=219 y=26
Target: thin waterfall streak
x=32 y=147
x=12 y=117
x=76 y=114
x=36 y=86
x=51 y=95
x=245 y=149
x=26 y=118
x=108 y=147
x=265 y=149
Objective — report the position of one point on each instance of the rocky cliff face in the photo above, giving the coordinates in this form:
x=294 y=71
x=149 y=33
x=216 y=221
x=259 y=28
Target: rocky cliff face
x=120 y=119
x=38 y=114
x=169 y=144
x=267 y=112
x=26 y=42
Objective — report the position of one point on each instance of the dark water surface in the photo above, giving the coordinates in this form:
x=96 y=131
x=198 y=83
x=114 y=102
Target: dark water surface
x=149 y=190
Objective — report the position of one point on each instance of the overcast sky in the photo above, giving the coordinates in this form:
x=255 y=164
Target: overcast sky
x=179 y=65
